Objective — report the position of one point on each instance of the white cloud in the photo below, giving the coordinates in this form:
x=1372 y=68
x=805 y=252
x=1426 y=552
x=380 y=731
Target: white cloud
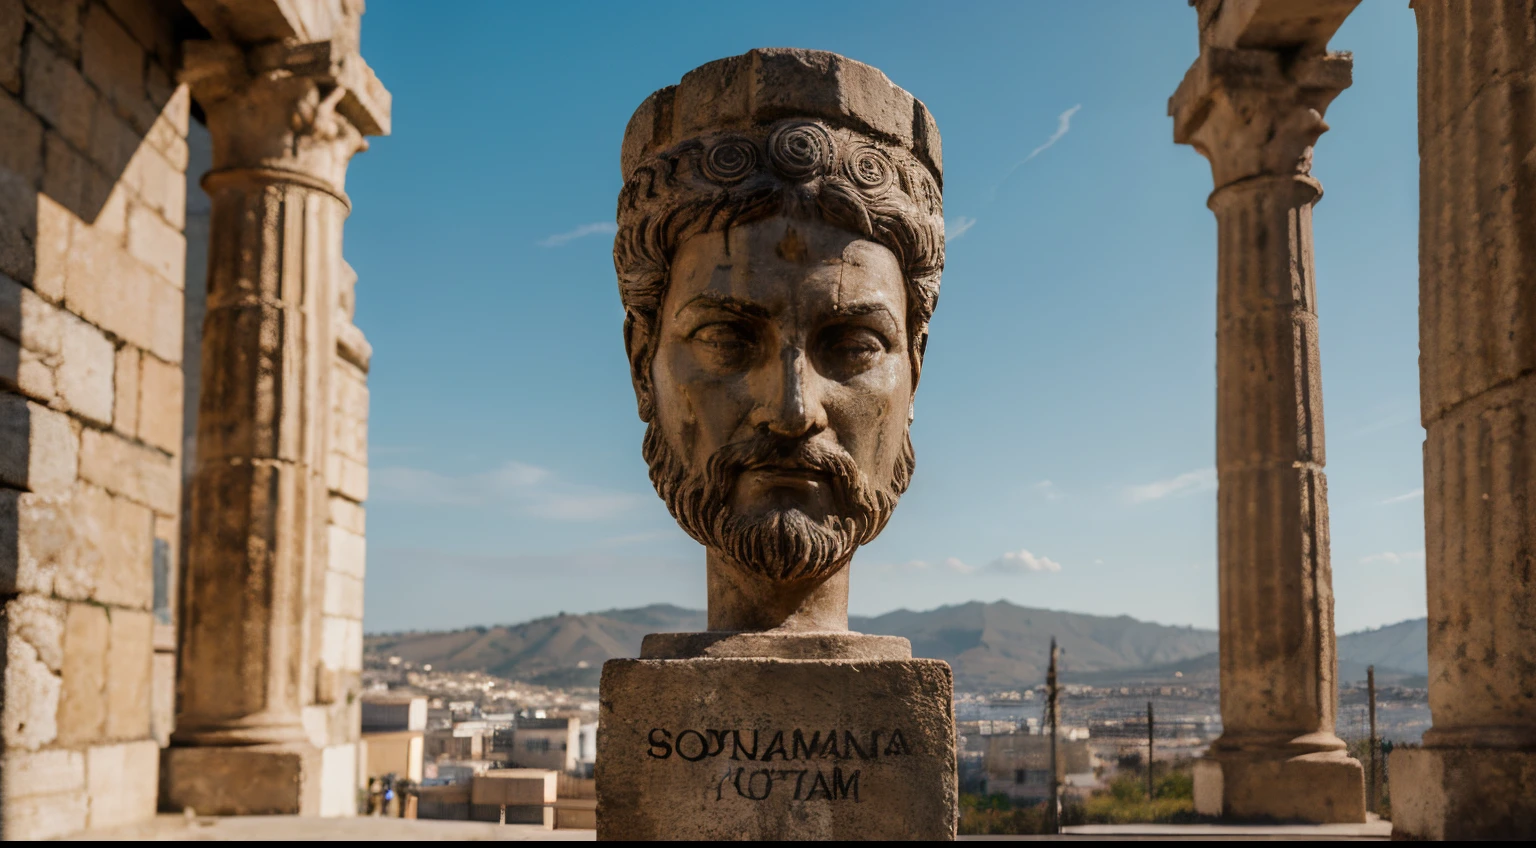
x=1063 y=126
x=954 y=564
x=958 y=227
x=1199 y=480
x=1048 y=490
x=1392 y=558
x=517 y=486
x=599 y=228
x=1406 y=496
x=1021 y=561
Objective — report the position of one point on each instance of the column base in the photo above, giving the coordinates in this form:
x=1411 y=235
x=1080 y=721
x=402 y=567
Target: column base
x=776 y=749
x=1463 y=793
x=1322 y=788
x=252 y=780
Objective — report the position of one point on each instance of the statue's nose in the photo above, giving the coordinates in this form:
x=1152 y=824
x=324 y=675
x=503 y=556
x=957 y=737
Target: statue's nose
x=792 y=406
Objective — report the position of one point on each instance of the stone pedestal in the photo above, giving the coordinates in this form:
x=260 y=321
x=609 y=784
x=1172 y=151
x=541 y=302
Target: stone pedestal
x=255 y=780
x=757 y=748
x=1322 y=787
x=1448 y=793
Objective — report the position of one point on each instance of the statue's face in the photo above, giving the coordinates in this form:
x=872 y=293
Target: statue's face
x=782 y=382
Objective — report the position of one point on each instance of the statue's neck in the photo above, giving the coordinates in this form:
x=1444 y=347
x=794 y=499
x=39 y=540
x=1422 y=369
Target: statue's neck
x=741 y=600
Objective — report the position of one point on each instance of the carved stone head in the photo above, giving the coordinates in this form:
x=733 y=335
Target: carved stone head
x=779 y=249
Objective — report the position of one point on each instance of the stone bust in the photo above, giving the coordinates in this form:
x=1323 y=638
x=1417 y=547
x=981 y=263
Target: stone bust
x=780 y=242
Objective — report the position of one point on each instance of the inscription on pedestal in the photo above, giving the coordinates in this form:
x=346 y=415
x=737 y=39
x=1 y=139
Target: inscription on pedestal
x=801 y=754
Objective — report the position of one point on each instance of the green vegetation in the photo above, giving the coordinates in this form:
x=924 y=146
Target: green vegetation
x=1123 y=801
x=1126 y=802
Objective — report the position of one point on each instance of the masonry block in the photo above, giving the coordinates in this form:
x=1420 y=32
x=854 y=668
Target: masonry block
x=160 y=399
x=136 y=472
x=130 y=656
x=82 y=705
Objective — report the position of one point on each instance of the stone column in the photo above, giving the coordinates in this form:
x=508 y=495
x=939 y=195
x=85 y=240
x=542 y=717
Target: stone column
x=1475 y=777
x=284 y=122
x=1255 y=116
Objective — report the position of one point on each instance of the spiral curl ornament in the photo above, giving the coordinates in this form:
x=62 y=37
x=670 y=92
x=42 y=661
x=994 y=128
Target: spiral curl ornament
x=869 y=168
x=800 y=150
x=730 y=160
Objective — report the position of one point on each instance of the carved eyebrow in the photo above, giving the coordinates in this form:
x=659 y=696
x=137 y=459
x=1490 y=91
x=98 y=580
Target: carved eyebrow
x=856 y=309
x=725 y=302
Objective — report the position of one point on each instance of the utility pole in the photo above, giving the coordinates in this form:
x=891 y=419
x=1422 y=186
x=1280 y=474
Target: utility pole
x=1052 y=707
x=1371 y=776
x=1149 y=751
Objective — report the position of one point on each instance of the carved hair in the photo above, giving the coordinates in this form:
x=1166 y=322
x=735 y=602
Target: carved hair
x=797 y=168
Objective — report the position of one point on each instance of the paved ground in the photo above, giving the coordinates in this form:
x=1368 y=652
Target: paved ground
x=176 y=828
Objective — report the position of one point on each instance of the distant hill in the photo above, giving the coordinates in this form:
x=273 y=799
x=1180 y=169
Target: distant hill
x=545 y=650
x=991 y=646
x=1403 y=647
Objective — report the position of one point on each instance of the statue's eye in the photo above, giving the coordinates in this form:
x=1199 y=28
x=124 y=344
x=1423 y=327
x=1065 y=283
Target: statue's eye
x=722 y=335
x=855 y=347
x=727 y=344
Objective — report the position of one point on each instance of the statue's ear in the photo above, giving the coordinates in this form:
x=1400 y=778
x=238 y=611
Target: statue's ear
x=638 y=339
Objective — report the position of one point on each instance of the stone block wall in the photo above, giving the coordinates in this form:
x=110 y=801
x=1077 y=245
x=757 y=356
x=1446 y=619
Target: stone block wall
x=93 y=157
x=334 y=714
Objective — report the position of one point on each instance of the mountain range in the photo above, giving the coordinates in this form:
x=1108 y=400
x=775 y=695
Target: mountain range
x=990 y=645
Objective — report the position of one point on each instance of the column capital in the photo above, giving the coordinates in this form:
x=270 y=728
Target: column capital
x=1256 y=113
x=286 y=110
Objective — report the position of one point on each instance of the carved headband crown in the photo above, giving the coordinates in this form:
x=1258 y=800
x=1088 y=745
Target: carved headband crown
x=762 y=86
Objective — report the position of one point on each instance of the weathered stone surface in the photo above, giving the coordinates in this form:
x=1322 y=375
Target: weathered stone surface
x=39 y=448
x=347 y=516
x=121 y=782
x=766 y=84
x=338 y=781
x=1325 y=787
x=1475 y=778
x=133 y=471
x=57 y=92
x=13 y=25
x=23 y=151
x=45 y=816
x=47 y=772
x=157 y=244
x=1255 y=114
x=242 y=781
x=830 y=645
x=82 y=705
x=111 y=58
x=110 y=557
x=281 y=143
x=160 y=396
x=129 y=663
x=737 y=748
x=162 y=699
x=343 y=595
x=85 y=371
x=1454 y=793
x=125 y=412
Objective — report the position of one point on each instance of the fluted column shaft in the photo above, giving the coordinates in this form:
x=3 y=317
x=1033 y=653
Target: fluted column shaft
x=1276 y=592
x=1475 y=778
x=259 y=497
x=1255 y=114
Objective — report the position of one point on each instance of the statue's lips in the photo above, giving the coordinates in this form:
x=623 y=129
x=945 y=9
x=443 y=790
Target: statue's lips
x=801 y=477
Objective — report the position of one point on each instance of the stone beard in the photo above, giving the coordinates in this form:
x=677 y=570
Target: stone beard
x=777 y=286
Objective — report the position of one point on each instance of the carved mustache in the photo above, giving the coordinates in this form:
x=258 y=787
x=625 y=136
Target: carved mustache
x=764 y=450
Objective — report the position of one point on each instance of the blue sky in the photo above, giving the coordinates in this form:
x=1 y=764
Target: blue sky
x=1066 y=419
